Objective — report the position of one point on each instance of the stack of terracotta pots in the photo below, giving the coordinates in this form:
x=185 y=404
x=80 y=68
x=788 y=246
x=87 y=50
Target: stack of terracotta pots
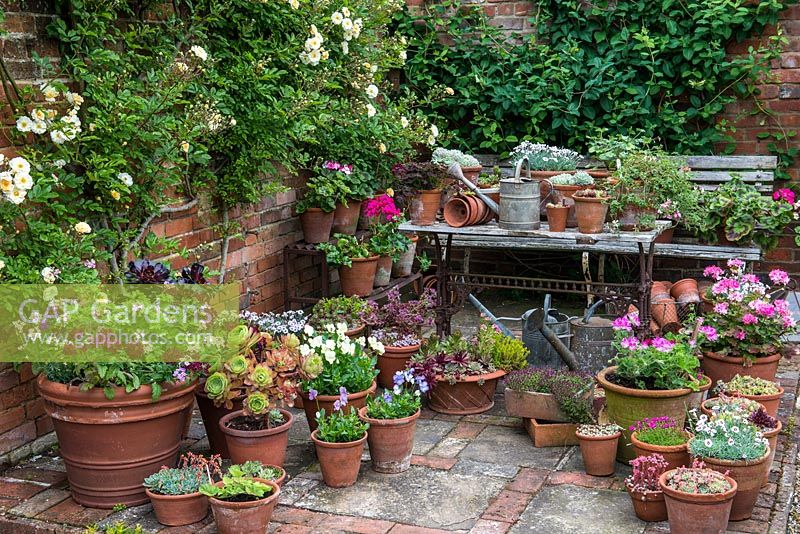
x=685 y=292
x=466 y=210
x=663 y=308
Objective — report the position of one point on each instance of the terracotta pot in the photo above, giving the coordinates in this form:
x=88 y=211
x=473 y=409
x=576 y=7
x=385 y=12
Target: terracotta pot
x=665 y=314
x=629 y=218
x=211 y=415
x=748 y=474
x=598 y=453
x=706 y=406
x=425 y=206
x=392 y=360
x=625 y=406
x=110 y=446
x=390 y=442
x=267 y=446
x=245 y=517
x=383 y=272
x=544 y=434
x=658 y=288
x=325 y=402
x=339 y=462
x=358 y=279
x=457 y=212
x=772 y=438
x=178 y=510
x=591 y=214
x=697 y=397
x=665 y=236
x=769 y=402
x=718 y=367
x=557 y=218
x=692 y=513
x=477 y=210
x=316 y=225
x=685 y=291
x=472 y=173
x=345 y=217
x=649 y=505
x=675 y=455
x=405 y=264
x=534 y=405
x=470 y=395
x=353 y=333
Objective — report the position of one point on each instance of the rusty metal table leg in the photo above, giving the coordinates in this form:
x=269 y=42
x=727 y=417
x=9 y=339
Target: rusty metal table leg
x=443 y=259
x=645 y=283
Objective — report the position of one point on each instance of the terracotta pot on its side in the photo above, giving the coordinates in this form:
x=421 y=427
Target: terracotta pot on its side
x=358 y=279
x=598 y=453
x=356 y=400
x=748 y=474
x=457 y=212
x=557 y=218
x=345 y=217
x=267 y=446
x=591 y=214
x=675 y=455
x=718 y=367
x=178 y=510
x=665 y=313
x=425 y=206
x=692 y=513
x=245 y=517
x=339 y=462
x=392 y=360
x=649 y=505
x=772 y=439
x=383 y=272
x=211 y=415
x=316 y=225
x=405 y=264
x=467 y=396
x=390 y=442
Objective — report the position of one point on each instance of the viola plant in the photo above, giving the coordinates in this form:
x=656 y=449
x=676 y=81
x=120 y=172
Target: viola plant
x=727 y=437
x=397 y=323
x=646 y=472
x=543 y=157
x=193 y=470
x=661 y=431
x=698 y=480
x=335 y=310
x=750 y=321
x=339 y=426
x=748 y=385
x=571 y=389
x=404 y=400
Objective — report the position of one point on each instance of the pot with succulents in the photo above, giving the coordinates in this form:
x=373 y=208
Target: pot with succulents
x=545 y=161
x=392 y=419
x=386 y=240
x=599 y=447
x=420 y=185
x=175 y=492
x=356 y=261
x=256 y=469
x=730 y=444
x=765 y=392
x=470 y=165
x=338 y=437
x=751 y=321
x=698 y=499
x=335 y=310
x=337 y=362
x=242 y=505
x=558 y=215
x=653 y=377
x=125 y=417
x=591 y=207
x=324 y=191
x=566 y=185
x=644 y=489
x=398 y=326
x=462 y=374
x=348 y=209
x=727 y=403
x=662 y=436
x=551 y=402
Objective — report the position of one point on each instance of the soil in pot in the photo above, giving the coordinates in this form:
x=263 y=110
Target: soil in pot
x=339 y=462
x=557 y=218
x=591 y=214
x=425 y=206
x=356 y=400
x=404 y=265
x=470 y=395
x=748 y=474
x=383 y=272
x=211 y=415
x=599 y=453
x=250 y=438
x=675 y=455
x=245 y=515
x=649 y=505
x=345 y=218
x=316 y=225
x=392 y=360
x=358 y=279
x=178 y=510
x=390 y=442
x=693 y=513
x=718 y=367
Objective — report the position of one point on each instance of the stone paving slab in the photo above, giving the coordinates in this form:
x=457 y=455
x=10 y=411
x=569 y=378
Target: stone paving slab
x=511 y=446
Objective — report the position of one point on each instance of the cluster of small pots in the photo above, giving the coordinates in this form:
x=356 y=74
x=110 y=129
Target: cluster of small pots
x=668 y=299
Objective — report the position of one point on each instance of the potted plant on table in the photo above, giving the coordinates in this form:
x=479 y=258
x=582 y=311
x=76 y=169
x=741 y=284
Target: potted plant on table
x=339 y=441
x=419 y=186
x=175 y=492
x=557 y=216
x=545 y=161
x=765 y=392
x=242 y=505
x=357 y=263
x=336 y=310
x=662 y=436
x=751 y=322
x=398 y=326
x=698 y=499
x=386 y=240
x=599 y=447
x=591 y=207
x=470 y=165
x=324 y=191
x=392 y=419
x=644 y=489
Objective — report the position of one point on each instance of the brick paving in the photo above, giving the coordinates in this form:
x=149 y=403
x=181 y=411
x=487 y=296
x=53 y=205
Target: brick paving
x=477 y=474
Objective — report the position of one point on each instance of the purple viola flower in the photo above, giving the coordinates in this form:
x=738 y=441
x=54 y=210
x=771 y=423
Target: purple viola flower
x=387 y=397
x=343 y=396
x=337 y=405
x=312 y=394
x=398 y=378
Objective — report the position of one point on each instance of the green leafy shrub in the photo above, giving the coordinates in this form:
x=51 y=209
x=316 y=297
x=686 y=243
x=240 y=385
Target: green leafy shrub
x=502 y=351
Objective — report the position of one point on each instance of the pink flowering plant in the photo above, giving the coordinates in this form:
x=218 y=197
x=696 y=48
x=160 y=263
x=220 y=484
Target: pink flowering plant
x=748 y=319
x=331 y=184
x=662 y=431
x=646 y=472
x=386 y=238
x=398 y=323
x=698 y=480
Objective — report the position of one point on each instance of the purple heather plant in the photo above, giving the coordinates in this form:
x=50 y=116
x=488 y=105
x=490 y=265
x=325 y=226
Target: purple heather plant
x=646 y=472
x=398 y=320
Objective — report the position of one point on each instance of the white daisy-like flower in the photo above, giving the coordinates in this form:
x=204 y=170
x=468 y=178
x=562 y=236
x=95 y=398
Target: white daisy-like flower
x=294 y=4
x=49 y=92
x=314 y=57
x=24 y=124
x=19 y=165
x=38 y=115
x=347 y=25
x=74 y=99
x=39 y=127
x=346 y=11
x=125 y=178
x=371 y=111
x=434 y=131
x=49 y=275
x=345 y=47
x=337 y=18
x=730 y=441
x=199 y=52
x=23 y=181
x=6 y=182
x=83 y=228
x=58 y=137
x=403 y=56
x=313 y=43
x=708 y=443
x=372 y=90
x=17 y=195
x=735 y=429
x=404 y=122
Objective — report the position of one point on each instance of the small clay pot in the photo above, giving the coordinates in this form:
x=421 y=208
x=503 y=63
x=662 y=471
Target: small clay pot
x=472 y=173
x=325 y=402
x=392 y=360
x=685 y=291
x=211 y=415
x=245 y=517
x=457 y=212
x=591 y=214
x=691 y=513
x=267 y=446
x=358 y=279
x=675 y=455
x=405 y=263
x=383 y=272
x=345 y=217
x=749 y=475
x=649 y=505
x=178 y=510
x=390 y=442
x=665 y=236
x=316 y=225
x=339 y=462
x=665 y=313
x=718 y=367
x=599 y=453
x=557 y=218
x=425 y=206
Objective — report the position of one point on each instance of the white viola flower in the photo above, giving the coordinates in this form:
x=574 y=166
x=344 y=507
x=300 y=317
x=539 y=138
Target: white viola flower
x=23 y=181
x=315 y=342
x=371 y=111
x=372 y=90
x=347 y=25
x=404 y=122
x=375 y=345
x=329 y=355
x=341 y=328
x=330 y=328
x=294 y=4
x=329 y=345
x=49 y=92
x=39 y=127
x=337 y=18
x=730 y=441
x=24 y=124
x=58 y=137
x=305 y=350
x=83 y=228
x=59 y=163
x=19 y=165
x=434 y=131
x=735 y=429
x=199 y=52
x=361 y=341
x=125 y=178
x=16 y=195
x=345 y=47
x=308 y=330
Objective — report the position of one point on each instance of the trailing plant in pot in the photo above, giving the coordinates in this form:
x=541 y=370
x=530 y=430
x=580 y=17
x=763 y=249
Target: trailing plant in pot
x=324 y=191
x=591 y=207
x=398 y=326
x=175 y=492
x=336 y=310
x=765 y=392
x=339 y=362
x=545 y=160
x=419 y=188
x=339 y=440
x=242 y=505
x=698 y=499
x=392 y=419
x=470 y=165
x=751 y=322
x=662 y=436
x=386 y=240
x=599 y=447
x=356 y=262
x=642 y=485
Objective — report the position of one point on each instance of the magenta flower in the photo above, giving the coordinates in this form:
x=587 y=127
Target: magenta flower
x=735 y=264
x=662 y=344
x=713 y=271
x=784 y=194
x=779 y=277
x=621 y=323
x=721 y=308
x=740 y=335
x=710 y=332
x=749 y=318
x=630 y=343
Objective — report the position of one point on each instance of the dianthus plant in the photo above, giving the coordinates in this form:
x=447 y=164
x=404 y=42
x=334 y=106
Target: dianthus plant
x=544 y=157
x=727 y=437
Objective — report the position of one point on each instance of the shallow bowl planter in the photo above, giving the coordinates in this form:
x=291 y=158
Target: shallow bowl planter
x=469 y=395
x=748 y=474
x=707 y=406
x=178 y=510
x=675 y=455
x=339 y=462
x=549 y=434
x=355 y=400
x=390 y=442
x=598 y=453
x=392 y=360
x=719 y=367
x=649 y=505
x=691 y=513
x=245 y=517
x=267 y=446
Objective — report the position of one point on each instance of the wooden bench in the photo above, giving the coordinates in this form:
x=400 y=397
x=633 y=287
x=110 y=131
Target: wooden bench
x=708 y=172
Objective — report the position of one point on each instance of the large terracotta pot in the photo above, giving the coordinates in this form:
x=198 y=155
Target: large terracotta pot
x=772 y=439
x=649 y=505
x=675 y=455
x=211 y=415
x=325 y=402
x=771 y=403
x=383 y=272
x=591 y=214
x=390 y=442
x=267 y=446
x=718 y=367
x=404 y=265
x=425 y=206
x=249 y=517
x=630 y=218
x=345 y=217
x=316 y=225
x=748 y=474
x=625 y=406
x=469 y=395
x=693 y=513
x=110 y=446
x=598 y=453
x=392 y=360
x=359 y=278
x=557 y=218
x=339 y=462
x=178 y=510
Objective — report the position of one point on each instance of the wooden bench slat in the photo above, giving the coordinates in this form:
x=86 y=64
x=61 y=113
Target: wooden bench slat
x=724 y=176
x=732 y=162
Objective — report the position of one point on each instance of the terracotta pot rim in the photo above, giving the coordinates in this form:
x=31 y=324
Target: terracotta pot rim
x=598 y=438
x=173 y=498
x=361 y=260
x=735 y=463
x=276 y=490
x=757 y=398
x=362 y=414
x=355 y=330
x=649 y=393
x=332 y=398
x=346 y=445
x=662 y=448
x=760 y=360
x=558 y=208
x=594 y=200
x=68 y=395
x=698 y=497
x=471 y=168
x=285 y=427
x=708 y=411
x=775 y=431
x=476 y=378
x=316 y=210
x=396 y=352
x=429 y=191
x=649 y=495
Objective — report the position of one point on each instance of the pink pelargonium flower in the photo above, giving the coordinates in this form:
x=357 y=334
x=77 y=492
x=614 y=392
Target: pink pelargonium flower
x=751 y=279
x=621 y=323
x=784 y=194
x=740 y=335
x=735 y=263
x=710 y=332
x=630 y=343
x=749 y=318
x=779 y=277
x=381 y=205
x=332 y=165
x=713 y=271
x=662 y=344
x=721 y=308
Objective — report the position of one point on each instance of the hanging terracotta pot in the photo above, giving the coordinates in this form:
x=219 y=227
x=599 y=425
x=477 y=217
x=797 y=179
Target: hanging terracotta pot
x=405 y=264
x=245 y=517
x=466 y=396
x=648 y=505
x=690 y=513
x=316 y=225
x=383 y=271
x=598 y=453
x=345 y=217
x=211 y=415
x=178 y=510
x=591 y=214
x=268 y=446
x=425 y=206
x=392 y=360
x=557 y=218
x=358 y=279
x=390 y=442
x=675 y=455
x=339 y=462
x=749 y=475
x=325 y=402
x=719 y=367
